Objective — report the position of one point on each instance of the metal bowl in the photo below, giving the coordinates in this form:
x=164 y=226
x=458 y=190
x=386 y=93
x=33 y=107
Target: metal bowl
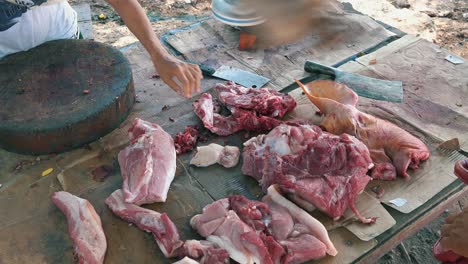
x=235 y=13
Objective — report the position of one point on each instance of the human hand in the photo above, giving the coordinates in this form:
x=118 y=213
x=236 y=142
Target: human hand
x=453 y=233
x=182 y=77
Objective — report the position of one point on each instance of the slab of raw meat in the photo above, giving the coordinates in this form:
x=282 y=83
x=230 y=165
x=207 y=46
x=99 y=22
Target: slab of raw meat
x=148 y=164
x=187 y=140
x=226 y=156
x=163 y=229
x=251 y=109
x=393 y=150
x=263 y=101
x=289 y=221
x=325 y=170
x=272 y=231
x=84 y=227
x=224 y=228
x=204 y=251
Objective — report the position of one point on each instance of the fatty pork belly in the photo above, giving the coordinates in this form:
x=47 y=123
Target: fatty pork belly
x=263 y=232
x=251 y=109
x=393 y=150
x=148 y=164
x=165 y=232
x=84 y=227
x=314 y=166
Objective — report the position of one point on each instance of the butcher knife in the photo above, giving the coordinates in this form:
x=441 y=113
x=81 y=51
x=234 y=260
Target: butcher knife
x=384 y=90
x=228 y=73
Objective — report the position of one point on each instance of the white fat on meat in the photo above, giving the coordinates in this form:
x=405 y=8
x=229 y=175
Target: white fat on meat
x=227 y=156
x=186 y=260
x=315 y=227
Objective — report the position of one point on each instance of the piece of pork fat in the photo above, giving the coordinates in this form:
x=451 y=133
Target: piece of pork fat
x=186 y=260
x=84 y=227
x=325 y=170
x=393 y=150
x=263 y=101
x=290 y=224
x=163 y=229
x=223 y=227
x=226 y=156
x=148 y=164
x=204 y=251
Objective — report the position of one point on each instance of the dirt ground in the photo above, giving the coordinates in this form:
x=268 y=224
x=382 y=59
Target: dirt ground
x=445 y=22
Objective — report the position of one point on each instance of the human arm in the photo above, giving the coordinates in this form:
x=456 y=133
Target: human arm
x=182 y=77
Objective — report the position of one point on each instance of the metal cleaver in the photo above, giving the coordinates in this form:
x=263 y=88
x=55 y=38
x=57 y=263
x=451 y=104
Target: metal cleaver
x=244 y=78
x=391 y=91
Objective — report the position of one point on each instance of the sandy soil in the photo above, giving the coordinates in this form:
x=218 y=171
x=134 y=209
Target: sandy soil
x=445 y=22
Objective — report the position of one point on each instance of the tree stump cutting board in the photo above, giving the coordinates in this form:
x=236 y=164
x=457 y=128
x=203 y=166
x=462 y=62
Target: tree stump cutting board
x=62 y=95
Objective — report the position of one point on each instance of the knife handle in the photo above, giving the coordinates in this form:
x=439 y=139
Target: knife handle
x=314 y=67
x=206 y=70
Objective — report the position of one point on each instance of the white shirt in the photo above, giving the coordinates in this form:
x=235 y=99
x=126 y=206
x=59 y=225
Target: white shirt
x=53 y=20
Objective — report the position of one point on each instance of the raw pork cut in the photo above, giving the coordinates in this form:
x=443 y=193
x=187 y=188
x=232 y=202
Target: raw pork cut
x=289 y=221
x=226 y=156
x=251 y=109
x=320 y=168
x=187 y=140
x=205 y=251
x=84 y=227
x=165 y=232
x=263 y=101
x=163 y=229
x=272 y=231
x=392 y=149
x=223 y=227
x=148 y=164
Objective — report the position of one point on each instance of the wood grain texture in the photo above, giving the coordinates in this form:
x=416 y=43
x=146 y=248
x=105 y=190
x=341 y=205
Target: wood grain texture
x=212 y=43
x=44 y=109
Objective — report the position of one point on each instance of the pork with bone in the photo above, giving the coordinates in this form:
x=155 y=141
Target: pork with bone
x=226 y=156
x=251 y=109
x=393 y=150
x=84 y=227
x=163 y=229
x=271 y=231
x=314 y=166
x=148 y=164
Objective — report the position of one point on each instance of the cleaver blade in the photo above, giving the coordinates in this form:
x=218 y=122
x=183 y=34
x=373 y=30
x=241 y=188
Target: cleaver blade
x=228 y=73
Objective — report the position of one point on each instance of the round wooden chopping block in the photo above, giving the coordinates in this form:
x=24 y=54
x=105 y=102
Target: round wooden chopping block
x=62 y=95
